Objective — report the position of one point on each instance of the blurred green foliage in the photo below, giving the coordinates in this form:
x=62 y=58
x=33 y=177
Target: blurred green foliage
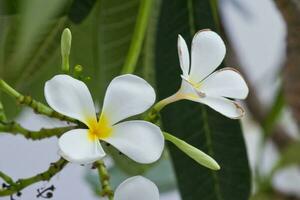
x=103 y=33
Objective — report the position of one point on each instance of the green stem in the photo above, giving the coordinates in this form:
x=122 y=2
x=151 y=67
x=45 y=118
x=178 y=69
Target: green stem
x=104 y=180
x=153 y=114
x=16 y=129
x=6 y=178
x=2 y=113
x=162 y=103
x=20 y=184
x=35 y=105
x=138 y=36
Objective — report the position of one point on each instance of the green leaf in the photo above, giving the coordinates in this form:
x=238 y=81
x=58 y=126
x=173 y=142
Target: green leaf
x=80 y=9
x=8 y=7
x=196 y=124
x=108 y=33
x=30 y=39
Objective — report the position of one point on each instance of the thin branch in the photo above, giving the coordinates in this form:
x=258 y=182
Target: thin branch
x=6 y=178
x=16 y=129
x=20 y=184
x=38 y=107
x=104 y=179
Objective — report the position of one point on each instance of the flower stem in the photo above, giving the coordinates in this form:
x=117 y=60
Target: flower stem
x=104 y=179
x=16 y=129
x=20 y=184
x=162 y=103
x=153 y=114
x=38 y=107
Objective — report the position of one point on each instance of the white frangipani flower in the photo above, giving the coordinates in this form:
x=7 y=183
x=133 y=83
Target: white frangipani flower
x=200 y=84
x=137 y=188
x=126 y=96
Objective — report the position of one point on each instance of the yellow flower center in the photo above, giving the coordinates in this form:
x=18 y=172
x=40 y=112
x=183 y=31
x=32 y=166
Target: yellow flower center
x=194 y=84
x=99 y=129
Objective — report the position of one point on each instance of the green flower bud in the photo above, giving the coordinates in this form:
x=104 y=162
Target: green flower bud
x=66 y=40
x=194 y=153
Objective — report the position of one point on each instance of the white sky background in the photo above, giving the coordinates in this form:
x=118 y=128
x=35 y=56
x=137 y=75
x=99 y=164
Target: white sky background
x=257 y=33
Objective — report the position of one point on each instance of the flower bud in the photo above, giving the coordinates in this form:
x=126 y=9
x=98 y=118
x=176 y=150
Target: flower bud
x=194 y=153
x=66 y=40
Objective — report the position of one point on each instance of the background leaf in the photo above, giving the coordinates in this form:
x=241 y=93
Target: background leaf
x=107 y=34
x=198 y=125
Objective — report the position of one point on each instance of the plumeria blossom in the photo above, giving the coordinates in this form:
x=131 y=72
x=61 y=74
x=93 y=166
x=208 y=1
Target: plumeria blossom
x=137 y=188
x=126 y=96
x=199 y=81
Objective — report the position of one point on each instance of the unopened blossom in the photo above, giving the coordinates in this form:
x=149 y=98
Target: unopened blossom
x=126 y=96
x=137 y=188
x=199 y=81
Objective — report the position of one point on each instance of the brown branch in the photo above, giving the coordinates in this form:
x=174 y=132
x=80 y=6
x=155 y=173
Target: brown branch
x=259 y=113
x=290 y=10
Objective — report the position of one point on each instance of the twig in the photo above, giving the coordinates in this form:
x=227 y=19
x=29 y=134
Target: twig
x=6 y=178
x=104 y=179
x=20 y=184
x=16 y=129
x=38 y=107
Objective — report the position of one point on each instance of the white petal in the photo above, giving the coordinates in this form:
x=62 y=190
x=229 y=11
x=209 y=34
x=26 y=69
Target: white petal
x=137 y=188
x=224 y=106
x=208 y=51
x=70 y=97
x=126 y=96
x=76 y=146
x=184 y=57
x=226 y=82
x=141 y=141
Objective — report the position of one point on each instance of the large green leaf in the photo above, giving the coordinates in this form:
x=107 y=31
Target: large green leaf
x=80 y=9
x=200 y=126
x=29 y=41
x=102 y=41
x=8 y=7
